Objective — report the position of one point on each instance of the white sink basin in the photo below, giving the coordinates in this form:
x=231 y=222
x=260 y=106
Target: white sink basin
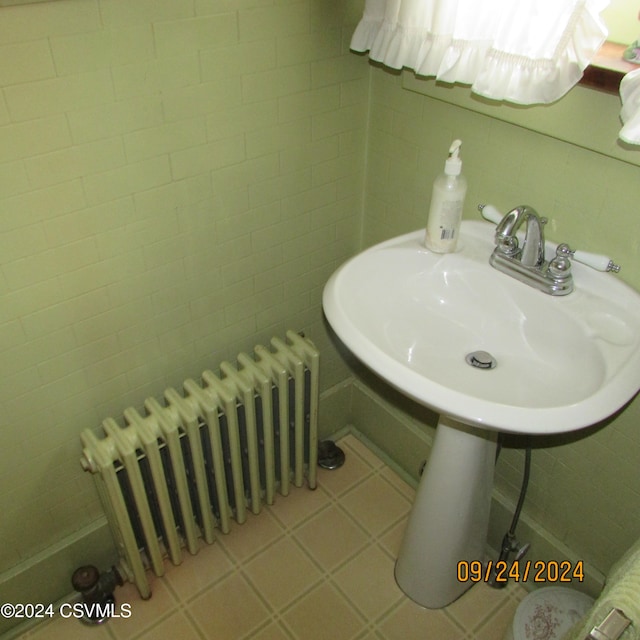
x=563 y=363
x=412 y=316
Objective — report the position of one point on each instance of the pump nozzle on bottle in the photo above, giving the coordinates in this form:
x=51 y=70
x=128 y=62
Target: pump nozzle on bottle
x=453 y=165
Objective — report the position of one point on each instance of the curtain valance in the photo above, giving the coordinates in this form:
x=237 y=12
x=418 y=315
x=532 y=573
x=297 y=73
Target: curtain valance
x=521 y=51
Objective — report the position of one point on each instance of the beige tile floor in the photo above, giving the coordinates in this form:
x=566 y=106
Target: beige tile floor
x=317 y=565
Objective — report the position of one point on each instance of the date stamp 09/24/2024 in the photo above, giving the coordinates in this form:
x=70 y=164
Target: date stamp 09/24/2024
x=549 y=571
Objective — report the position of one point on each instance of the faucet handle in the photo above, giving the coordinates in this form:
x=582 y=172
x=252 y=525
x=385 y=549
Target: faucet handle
x=593 y=260
x=490 y=213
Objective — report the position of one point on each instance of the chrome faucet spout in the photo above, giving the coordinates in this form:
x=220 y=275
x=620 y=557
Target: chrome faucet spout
x=531 y=254
x=511 y=222
x=533 y=247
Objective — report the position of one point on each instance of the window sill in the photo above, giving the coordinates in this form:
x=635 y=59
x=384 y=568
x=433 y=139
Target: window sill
x=608 y=68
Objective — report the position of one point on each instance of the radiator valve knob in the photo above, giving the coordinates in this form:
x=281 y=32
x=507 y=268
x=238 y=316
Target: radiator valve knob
x=84 y=579
x=96 y=591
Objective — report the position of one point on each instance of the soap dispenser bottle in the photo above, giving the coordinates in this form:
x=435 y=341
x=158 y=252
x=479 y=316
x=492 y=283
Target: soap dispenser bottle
x=447 y=200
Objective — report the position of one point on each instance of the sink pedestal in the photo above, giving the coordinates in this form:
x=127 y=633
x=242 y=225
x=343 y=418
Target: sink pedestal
x=450 y=516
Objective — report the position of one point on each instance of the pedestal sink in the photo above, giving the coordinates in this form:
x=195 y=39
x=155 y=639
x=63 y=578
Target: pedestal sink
x=489 y=354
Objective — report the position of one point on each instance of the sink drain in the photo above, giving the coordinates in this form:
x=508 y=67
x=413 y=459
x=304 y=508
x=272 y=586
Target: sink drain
x=481 y=360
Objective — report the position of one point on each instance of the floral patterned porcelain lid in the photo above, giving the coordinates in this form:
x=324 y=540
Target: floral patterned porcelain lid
x=548 y=613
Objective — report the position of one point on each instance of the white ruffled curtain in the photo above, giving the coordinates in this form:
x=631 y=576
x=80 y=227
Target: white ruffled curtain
x=521 y=51
x=630 y=113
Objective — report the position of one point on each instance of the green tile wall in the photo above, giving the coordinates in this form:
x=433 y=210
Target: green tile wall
x=177 y=182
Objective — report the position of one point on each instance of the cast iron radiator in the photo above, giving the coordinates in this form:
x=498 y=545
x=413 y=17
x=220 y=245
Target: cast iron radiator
x=224 y=445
